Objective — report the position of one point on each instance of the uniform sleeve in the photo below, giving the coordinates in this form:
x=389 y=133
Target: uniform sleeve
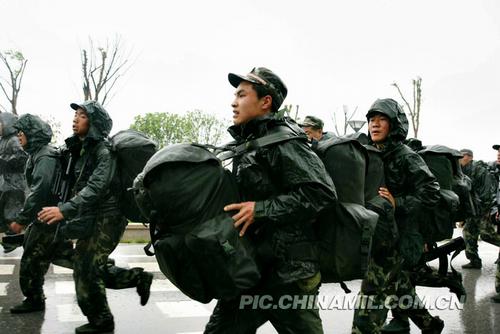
x=97 y=185
x=308 y=187
x=40 y=189
x=425 y=188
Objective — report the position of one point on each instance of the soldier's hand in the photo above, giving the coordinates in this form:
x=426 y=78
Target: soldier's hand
x=50 y=215
x=16 y=228
x=245 y=215
x=385 y=193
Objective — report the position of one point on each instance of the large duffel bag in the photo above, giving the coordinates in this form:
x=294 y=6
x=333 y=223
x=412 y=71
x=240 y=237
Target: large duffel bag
x=182 y=192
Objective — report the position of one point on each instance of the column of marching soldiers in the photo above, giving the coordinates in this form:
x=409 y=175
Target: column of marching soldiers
x=300 y=207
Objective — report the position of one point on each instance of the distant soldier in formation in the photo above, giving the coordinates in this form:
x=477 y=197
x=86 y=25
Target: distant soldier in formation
x=40 y=245
x=484 y=193
x=12 y=180
x=313 y=127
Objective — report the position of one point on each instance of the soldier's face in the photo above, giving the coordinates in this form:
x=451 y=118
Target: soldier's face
x=465 y=160
x=81 y=123
x=22 y=139
x=498 y=156
x=246 y=104
x=312 y=133
x=379 y=126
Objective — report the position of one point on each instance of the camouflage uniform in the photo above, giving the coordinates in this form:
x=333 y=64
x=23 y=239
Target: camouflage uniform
x=12 y=180
x=484 y=191
x=40 y=246
x=414 y=189
x=94 y=218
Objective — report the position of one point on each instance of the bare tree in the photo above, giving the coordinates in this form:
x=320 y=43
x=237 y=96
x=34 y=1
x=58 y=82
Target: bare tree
x=346 y=117
x=287 y=111
x=15 y=64
x=414 y=110
x=101 y=69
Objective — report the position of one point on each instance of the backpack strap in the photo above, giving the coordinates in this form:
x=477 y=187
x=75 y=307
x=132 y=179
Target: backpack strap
x=279 y=135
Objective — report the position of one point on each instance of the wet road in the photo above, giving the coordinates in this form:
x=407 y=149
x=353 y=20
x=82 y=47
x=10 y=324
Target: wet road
x=169 y=311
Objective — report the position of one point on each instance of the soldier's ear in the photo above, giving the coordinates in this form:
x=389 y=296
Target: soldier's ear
x=267 y=102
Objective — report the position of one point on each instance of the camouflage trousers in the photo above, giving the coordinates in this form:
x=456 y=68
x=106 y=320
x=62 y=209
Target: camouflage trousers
x=237 y=317
x=92 y=274
x=385 y=287
x=40 y=250
x=473 y=228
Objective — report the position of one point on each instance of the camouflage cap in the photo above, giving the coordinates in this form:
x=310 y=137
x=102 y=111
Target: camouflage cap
x=466 y=151
x=313 y=122
x=265 y=77
x=496 y=147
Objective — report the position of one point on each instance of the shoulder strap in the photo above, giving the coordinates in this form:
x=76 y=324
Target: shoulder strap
x=281 y=134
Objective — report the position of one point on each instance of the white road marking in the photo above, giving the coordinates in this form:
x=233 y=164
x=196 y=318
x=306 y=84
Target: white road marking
x=7 y=269
x=65 y=288
x=163 y=285
x=148 y=266
x=69 y=313
x=183 y=309
x=3 y=289
x=61 y=270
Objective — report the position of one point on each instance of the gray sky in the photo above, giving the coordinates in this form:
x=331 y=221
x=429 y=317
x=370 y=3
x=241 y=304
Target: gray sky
x=329 y=53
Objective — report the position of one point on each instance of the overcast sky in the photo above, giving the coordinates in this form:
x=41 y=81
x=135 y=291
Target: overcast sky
x=329 y=53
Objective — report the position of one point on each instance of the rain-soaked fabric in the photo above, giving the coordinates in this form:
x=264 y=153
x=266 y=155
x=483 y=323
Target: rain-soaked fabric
x=290 y=186
x=41 y=167
x=12 y=163
x=93 y=171
x=198 y=248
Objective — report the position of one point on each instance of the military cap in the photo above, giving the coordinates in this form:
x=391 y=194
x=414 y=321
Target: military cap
x=265 y=77
x=313 y=122
x=496 y=147
x=466 y=151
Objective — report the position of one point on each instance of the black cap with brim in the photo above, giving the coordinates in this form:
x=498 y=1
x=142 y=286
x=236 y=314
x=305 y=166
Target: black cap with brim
x=76 y=106
x=236 y=79
x=496 y=147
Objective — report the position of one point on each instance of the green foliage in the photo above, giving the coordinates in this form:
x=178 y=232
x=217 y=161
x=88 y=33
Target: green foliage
x=194 y=127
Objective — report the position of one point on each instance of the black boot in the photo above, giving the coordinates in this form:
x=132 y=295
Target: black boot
x=103 y=326
x=397 y=325
x=474 y=264
x=144 y=286
x=495 y=298
x=436 y=326
x=29 y=305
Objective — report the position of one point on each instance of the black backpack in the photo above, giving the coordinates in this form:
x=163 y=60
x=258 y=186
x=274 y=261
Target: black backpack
x=443 y=163
x=182 y=192
x=386 y=232
x=345 y=231
x=131 y=149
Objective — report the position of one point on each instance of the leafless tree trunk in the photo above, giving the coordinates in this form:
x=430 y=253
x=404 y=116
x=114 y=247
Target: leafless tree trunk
x=15 y=63
x=347 y=116
x=417 y=100
x=287 y=111
x=101 y=69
